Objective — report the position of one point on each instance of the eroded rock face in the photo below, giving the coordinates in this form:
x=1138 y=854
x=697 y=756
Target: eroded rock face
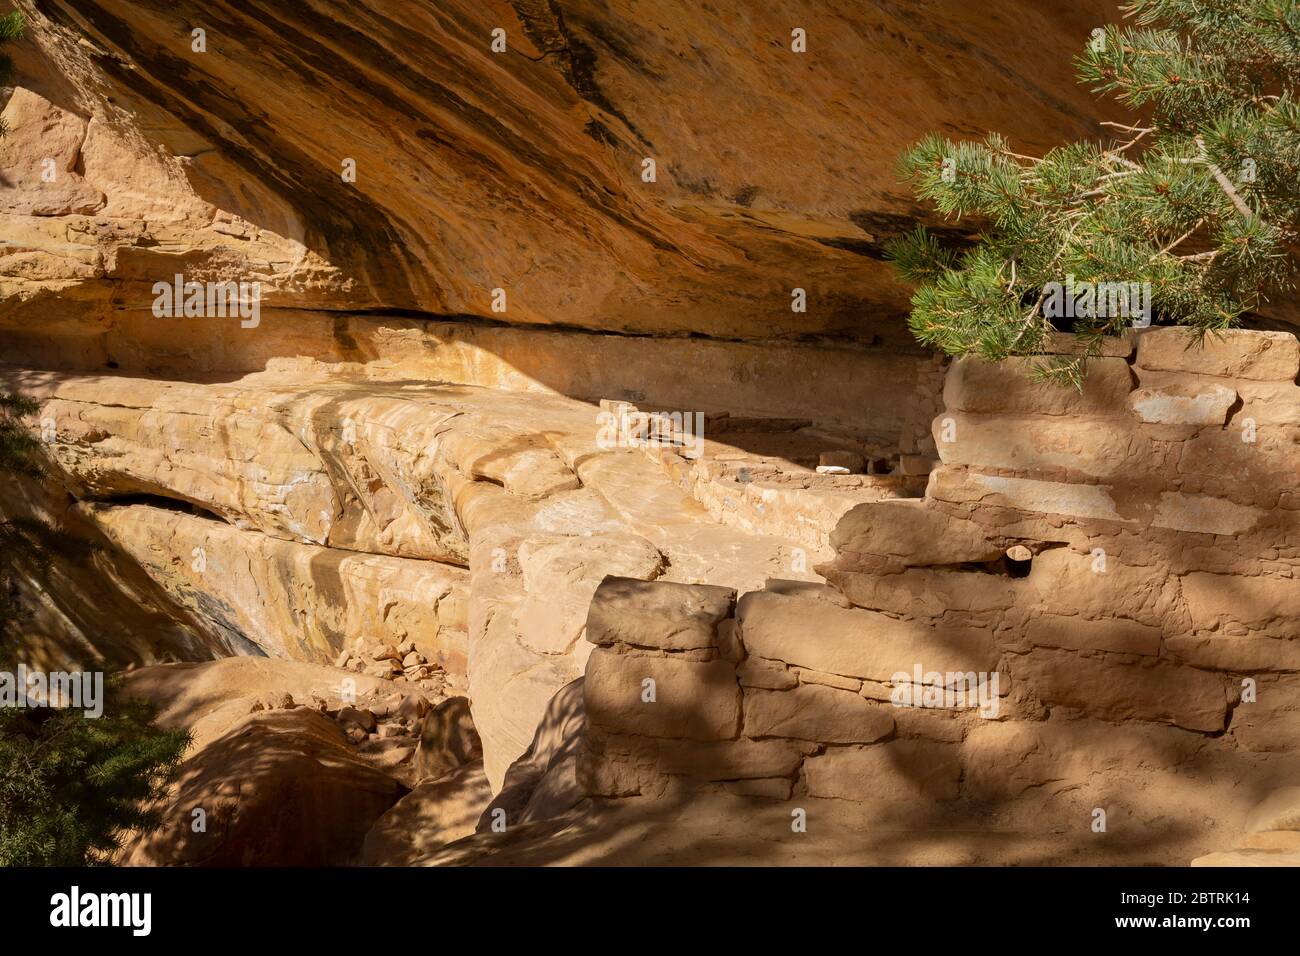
x=523 y=169
x=437 y=812
x=272 y=737
x=448 y=740
x=288 y=600
x=41 y=160
x=278 y=789
x=543 y=783
x=211 y=697
x=475 y=171
x=273 y=525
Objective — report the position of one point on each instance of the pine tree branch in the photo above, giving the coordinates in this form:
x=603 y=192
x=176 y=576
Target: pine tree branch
x=1224 y=183
x=1167 y=249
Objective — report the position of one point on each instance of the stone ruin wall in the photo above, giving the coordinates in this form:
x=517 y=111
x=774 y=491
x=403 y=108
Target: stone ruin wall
x=1125 y=559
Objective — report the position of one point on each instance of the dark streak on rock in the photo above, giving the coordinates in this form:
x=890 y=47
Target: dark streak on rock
x=544 y=25
x=600 y=132
x=338 y=220
x=344 y=338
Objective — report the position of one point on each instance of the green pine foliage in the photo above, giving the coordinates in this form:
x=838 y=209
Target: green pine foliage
x=71 y=786
x=1199 y=197
x=16 y=440
x=11 y=28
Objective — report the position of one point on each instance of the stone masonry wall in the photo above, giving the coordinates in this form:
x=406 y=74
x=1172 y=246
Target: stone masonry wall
x=1124 y=560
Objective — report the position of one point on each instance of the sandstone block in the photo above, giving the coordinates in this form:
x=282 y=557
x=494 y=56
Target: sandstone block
x=760 y=672
x=1225 y=456
x=854 y=642
x=916 y=464
x=1270 y=403
x=694 y=700
x=1111 y=688
x=1080 y=634
x=911 y=533
x=1112 y=346
x=1190 y=404
x=730 y=759
x=1271 y=722
x=976 y=385
x=604 y=772
x=1073 y=582
x=1097 y=447
x=1241 y=655
x=1202 y=514
x=817 y=713
x=1004 y=759
x=618 y=765
x=658 y=614
x=1234 y=353
x=960 y=486
x=1258 y=603
x=923 y=592
x=901 y=771
x=928 y=723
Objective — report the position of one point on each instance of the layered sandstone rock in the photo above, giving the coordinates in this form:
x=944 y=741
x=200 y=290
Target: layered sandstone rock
x=294 y=512
x=287 y=600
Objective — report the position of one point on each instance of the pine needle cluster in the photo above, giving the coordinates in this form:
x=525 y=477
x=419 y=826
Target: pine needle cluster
x=1198 y=201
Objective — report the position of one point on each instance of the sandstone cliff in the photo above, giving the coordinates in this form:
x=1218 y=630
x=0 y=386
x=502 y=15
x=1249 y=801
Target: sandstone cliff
x=136 y=153
x=519 y=170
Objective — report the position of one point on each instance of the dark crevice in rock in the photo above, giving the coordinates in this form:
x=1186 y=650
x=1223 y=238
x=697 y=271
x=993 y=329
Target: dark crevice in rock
x=822 y=340
x=161 y=502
